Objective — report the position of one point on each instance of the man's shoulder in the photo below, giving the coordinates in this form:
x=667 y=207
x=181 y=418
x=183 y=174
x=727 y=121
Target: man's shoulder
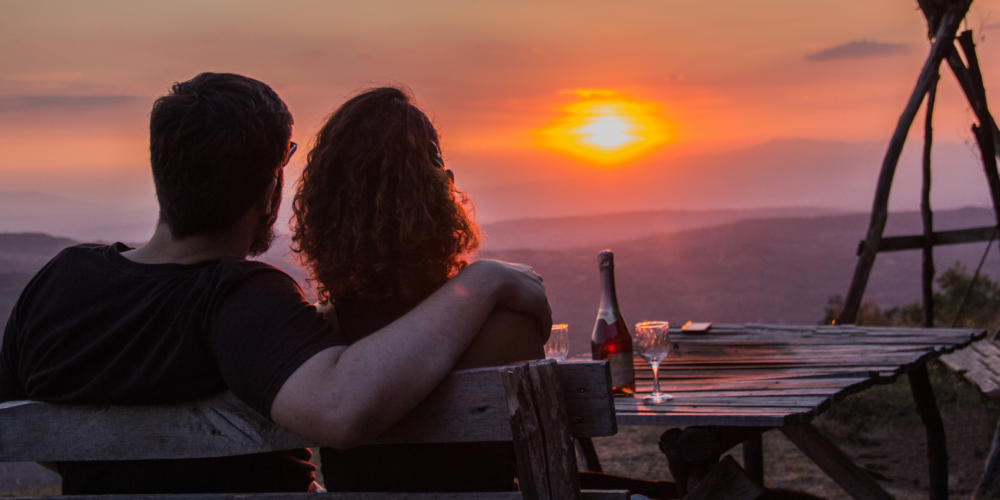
x=243 y=268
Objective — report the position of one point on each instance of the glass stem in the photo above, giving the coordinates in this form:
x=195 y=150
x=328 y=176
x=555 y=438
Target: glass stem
x=656 y=376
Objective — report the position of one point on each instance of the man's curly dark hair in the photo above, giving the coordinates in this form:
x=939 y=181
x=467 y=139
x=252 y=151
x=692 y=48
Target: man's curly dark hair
x=376 y=216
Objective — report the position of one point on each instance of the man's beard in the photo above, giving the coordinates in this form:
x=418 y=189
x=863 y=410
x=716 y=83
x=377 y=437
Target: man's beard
x=265 y=230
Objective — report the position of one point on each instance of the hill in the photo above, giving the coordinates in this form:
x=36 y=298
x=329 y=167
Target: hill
x=774 y=270
x=571 y=232
x=757 y=270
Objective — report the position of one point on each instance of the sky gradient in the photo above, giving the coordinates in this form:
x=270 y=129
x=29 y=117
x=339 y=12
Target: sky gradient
x=767 y=102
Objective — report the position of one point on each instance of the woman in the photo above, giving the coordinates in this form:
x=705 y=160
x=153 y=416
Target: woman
x=381 y=226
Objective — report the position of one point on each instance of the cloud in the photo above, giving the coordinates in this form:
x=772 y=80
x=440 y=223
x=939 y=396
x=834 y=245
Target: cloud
x=64 y=102
x=857 y=50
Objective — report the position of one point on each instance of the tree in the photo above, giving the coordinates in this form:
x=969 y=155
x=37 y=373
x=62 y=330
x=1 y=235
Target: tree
x=981 y=308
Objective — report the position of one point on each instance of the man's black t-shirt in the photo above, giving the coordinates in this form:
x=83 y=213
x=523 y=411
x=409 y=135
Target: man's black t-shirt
x=94 y=327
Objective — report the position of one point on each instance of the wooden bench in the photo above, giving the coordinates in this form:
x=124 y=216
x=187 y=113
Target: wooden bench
x=540 y=406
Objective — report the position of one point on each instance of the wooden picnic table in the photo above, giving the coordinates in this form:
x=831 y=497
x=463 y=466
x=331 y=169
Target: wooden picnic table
x=734 y=382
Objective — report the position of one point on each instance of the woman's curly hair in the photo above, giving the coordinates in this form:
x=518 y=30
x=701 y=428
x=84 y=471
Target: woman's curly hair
x=376 y=216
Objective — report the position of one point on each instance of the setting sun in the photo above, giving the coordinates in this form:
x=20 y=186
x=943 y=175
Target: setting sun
x=604 y=128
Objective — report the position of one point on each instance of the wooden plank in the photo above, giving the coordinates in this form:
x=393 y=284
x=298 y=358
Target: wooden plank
x=726 y=481
x=588 y=397
x=737 y=402
x=684 y=420
x=214 y=427
x=503 y=495
x=606 y=495
x=952 y=237
x=507 y=495
x=854 y=480
x=546 y=460
x=469 y=406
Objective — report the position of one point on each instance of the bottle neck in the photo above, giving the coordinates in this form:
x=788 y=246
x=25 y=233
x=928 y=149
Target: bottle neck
x=609 y=298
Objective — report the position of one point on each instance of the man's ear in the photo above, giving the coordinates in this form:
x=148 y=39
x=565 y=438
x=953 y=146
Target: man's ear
x=264 y=202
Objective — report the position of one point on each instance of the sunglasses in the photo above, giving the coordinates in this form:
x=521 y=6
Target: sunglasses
x=291 y=150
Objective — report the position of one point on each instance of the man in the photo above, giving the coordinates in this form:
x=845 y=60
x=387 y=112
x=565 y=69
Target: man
x=185 y=315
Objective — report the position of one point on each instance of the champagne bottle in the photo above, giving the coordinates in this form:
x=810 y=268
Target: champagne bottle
x=611 y=339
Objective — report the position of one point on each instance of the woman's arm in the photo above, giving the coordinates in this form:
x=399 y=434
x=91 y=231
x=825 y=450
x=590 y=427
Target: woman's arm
x=507 y=337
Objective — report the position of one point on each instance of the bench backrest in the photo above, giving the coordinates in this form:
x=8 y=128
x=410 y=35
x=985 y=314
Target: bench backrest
x=537 y=405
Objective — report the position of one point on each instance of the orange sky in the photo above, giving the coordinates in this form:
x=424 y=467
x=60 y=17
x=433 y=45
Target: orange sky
x=77 y=80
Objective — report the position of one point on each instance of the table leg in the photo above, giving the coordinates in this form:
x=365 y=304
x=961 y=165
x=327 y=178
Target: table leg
x=937 y=449
x=753 y=458
x=693 y=451
x=591 y=462
x=834 y=462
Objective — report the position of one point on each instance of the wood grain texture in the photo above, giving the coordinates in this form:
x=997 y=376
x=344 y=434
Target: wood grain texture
x=777 y=375
x=587 y=495
x=835 y=463
x=546 y=459
x=978 y=364
x=469 y=406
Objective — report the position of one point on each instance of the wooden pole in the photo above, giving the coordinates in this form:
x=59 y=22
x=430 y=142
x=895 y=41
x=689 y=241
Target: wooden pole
x=943 y=43
x=925 y=211
x=753 y=458
x=989 y=485
x=937 y=450
x=591 y=460
x=984 y=132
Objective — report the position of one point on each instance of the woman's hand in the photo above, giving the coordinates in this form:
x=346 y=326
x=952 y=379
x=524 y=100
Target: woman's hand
x=519 y=288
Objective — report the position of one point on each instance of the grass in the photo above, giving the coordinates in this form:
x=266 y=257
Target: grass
x=44 y=491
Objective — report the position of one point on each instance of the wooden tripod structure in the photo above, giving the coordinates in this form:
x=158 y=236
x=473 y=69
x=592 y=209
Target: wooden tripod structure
x=943 y=20
x=943 y=24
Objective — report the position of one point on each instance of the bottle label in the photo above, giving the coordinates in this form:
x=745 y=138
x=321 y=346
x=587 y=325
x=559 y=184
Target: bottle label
x=622 y=371
x=607 y=315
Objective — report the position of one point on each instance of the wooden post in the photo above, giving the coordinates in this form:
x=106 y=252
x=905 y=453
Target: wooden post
x=753 y=458
x=989 y=485
x=943 y=44
x=546 y=462
x=726 y=481
x=937 y=450
x=984 y=132
x=590 y=459
x=925 y=211
x=964 y=78
x=853 y=479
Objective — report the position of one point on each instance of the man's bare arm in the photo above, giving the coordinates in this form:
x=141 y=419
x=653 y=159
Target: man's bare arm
x=344 y=396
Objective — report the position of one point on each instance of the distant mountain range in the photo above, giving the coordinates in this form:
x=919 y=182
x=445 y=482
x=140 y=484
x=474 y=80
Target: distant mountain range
x=571 y=232
x=777 y=173
x=753 y=270
x=109 y=222
x=703 y=266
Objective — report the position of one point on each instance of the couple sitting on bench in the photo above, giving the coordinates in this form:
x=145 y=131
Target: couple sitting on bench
x=383 y=231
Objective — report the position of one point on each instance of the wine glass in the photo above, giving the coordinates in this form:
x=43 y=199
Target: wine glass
x=652 y=340
x=557 y=347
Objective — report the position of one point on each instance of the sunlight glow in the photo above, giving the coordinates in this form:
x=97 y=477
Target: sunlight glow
x=605 y=129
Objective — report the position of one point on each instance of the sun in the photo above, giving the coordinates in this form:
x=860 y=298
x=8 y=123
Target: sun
x=606 y=129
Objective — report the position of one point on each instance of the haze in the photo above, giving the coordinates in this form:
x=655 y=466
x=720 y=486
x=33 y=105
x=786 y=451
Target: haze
x=772 y=104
